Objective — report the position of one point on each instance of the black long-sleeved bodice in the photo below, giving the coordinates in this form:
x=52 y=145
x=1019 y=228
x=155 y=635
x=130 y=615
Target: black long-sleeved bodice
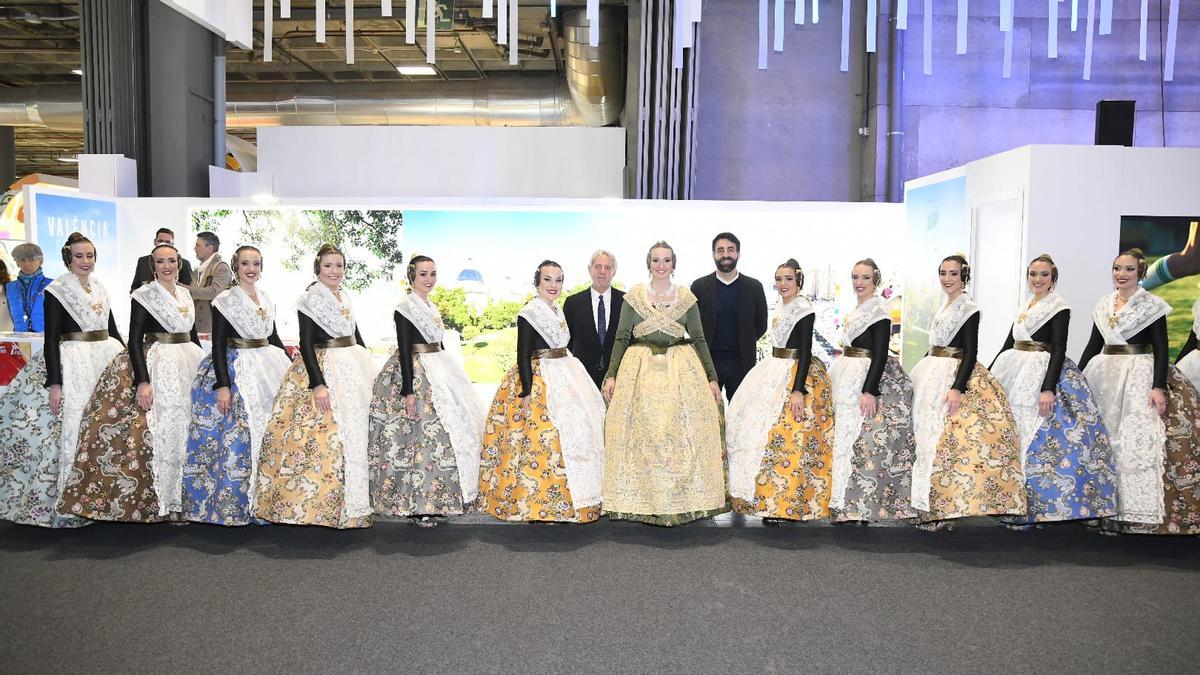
x=1054 y=333
x=222 y=331
x=142 y=322
x=407 y=335
x=801 y=339
x=1154 y=335
x=528 y=341
x=1188 y=347
x=59 y=322
x=875 y=339
x=966 y=339
x=311 y=336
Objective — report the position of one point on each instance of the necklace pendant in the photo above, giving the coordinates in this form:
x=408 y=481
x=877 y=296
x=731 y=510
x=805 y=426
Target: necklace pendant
x=346 y=313
x=1022 y=317
x=262 y=313
x=1113 y=321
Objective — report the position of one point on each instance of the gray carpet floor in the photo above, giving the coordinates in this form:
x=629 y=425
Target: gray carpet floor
x=608 y=597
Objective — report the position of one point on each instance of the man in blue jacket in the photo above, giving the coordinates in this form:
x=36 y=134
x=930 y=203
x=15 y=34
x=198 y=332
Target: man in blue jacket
x=25 y=292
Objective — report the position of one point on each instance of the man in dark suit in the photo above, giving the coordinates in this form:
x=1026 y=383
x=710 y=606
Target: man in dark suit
x=144 y=273
x=592 y=316
x=733 y=311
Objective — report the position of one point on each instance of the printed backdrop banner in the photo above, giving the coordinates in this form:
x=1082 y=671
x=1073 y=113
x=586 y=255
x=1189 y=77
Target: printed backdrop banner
x=56 y=215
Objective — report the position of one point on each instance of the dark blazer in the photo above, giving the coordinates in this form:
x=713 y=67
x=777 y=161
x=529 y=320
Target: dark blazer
x=585 y=343
x=752 y=317
x=144 y=273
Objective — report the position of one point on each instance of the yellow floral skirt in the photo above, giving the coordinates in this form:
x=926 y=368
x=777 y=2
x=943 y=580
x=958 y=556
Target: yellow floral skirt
x=794 y=480
x=521 y=472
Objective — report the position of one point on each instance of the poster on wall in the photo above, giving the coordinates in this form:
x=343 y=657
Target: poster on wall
x=1175 y=243
x=487 y=257
x=938 y=225
x=56 y=215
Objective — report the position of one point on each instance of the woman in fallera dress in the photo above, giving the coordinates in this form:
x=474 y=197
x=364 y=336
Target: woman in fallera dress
x=232 y=397
x=133 y=441
x=663 y=428
x=426 y=420
x=1152 y=412
x=968 y=460
x=543 y=440
x=872 y=396
x=41 y=410
x=313 y=466
x=780 y=425
x=1188 y=360
x=1066 y=456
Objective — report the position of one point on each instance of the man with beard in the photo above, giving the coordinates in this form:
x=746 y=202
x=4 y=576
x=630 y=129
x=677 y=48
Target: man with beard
x=733 y=312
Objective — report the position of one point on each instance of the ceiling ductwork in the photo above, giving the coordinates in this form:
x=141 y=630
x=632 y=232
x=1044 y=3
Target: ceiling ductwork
x=593 y=95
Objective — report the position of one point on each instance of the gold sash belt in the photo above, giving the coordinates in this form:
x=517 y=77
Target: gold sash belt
x=336 y=343
x=856 y=352
x=1127 y=350
x=784 y=353
x=426 y=348
x=556 y=353
x=85 y=336
x=246 y=343
x=1027 y=346
x=168 y=338
x=947 y=352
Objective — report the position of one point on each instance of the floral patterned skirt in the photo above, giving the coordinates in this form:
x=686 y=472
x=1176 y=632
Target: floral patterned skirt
x=411 y=461
x=521 y=472
x=793 y=480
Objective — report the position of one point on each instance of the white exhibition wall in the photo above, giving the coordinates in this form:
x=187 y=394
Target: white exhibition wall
x=398 y=161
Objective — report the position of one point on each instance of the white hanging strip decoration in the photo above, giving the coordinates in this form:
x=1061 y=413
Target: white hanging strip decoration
x=1142 y=31
x=593 y=17
x=961 y=37
x=927 y=39
x=901 y=14
x=431 y=31
x=321 y=21
x=816 y=18
x=553 y=8
x=487 y=8
x=1006 y=70
x=385 y=8
x=678 y=19
x=762 y=34
x=502 y=22
x=350 y=32
x=514 y=25
x=1087 y=44
x=1074 y=15
x=845 y=36
x=872 y=24
x=410 y=21
x=1172 y=36
x=285 y=9
x=1006 y=15
x=1006 y=26
x=1106 y=17
x=268 y=40
x=697 y=10
x=798 y=19
x=1052 y=30
x=778 y=25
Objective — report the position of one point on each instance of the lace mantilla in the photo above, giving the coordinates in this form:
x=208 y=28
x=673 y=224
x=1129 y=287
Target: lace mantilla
x=335 y=317
x=251 y=321
x=861 y=318
x=785 y=319
x=950 y=318
x=659 y=318
x=424 y=316
x=1196 y=318
x=174 y=312
x=90 y=310
x=1117 y=326
x=548 y=321
x=1033 y=317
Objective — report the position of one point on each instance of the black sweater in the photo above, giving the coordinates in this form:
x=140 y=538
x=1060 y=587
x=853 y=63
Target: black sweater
x=1154 y=335
x=1053 y=333
x=59 y=322
x=407 y=335
x=310 y=336
x=875 y=338
x=222 y=330
x=142 y=322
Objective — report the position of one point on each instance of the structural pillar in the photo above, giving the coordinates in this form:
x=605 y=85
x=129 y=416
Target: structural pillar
x=8 y=157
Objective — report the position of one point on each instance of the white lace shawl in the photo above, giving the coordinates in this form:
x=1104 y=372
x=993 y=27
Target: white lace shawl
x=1196 y=318
x=1030 y=319
x=423 y=315
x=90 y=310
x=241 y=312
x=335 y=317
x=950 y=318
x=175 y=313
x=1143 y=309
x=548 y=321
x=863 y=317
x=785 y=319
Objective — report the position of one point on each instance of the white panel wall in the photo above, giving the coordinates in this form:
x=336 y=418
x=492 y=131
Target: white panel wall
x=396 y=161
